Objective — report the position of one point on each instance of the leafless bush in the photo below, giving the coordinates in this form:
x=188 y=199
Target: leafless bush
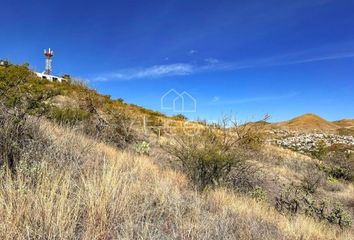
x=210 y=155
x=246 y=177
x=110 y=124
x=312 y=179
x=78 y=82
x=116 y=128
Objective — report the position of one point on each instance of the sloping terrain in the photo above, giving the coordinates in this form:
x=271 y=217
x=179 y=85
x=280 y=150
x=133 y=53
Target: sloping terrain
x=98 y=192
x=345 y=123
x=307 y=122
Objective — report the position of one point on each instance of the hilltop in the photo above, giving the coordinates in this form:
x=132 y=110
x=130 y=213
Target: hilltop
x=312 y=123
x=308 y=122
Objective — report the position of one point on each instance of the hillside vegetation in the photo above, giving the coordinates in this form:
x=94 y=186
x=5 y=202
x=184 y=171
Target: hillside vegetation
x=78 y=165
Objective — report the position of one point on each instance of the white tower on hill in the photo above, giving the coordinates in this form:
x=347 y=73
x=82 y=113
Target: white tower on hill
x=47 y=74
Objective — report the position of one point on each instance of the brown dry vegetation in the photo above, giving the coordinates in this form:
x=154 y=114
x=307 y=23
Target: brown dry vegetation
x=82 y=189
x=345 y=123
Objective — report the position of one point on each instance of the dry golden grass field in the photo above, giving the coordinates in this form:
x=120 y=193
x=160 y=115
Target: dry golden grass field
x=104 y=193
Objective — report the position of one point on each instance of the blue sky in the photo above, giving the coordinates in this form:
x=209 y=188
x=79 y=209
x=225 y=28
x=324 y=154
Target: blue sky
x=245 y=58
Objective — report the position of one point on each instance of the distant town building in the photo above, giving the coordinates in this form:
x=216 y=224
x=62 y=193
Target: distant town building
x=47 y=73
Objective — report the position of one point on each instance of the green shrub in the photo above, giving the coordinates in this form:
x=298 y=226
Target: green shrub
x=339 y=216
x=320 y=151
x=68 y=115
x=259 y=194
x=142 y=148
x=180 y=117
x=120 y=100
x=203 y=158
x=338 y=172
x=339 y=162
x=20 y=88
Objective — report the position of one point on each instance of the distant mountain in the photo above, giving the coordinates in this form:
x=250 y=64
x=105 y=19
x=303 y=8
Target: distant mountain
x=307 y=122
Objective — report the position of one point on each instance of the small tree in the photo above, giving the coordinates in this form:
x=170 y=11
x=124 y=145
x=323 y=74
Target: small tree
x=18 y=100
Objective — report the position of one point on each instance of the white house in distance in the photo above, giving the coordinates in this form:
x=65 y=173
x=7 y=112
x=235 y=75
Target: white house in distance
x=47 y=74
x=51 y=78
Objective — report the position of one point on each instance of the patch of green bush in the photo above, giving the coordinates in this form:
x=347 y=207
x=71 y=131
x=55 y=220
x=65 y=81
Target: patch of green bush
x=320 y=151
x=68 y=115
x=142 y=148
x=339 y=162
x=179 y=117
x=338 y=172
x=259 y=194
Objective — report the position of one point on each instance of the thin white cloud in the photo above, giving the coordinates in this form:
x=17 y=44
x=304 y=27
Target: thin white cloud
x=283 y=61
x=324 y=58
x=280 y=61
x=149 y=72
x=212 y=64
x=158 y=71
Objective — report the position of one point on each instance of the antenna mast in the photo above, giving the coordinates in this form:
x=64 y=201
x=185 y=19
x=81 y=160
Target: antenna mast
x=48 y=61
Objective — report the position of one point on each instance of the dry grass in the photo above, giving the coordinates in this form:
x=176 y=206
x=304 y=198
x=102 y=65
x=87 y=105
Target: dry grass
x=97 y=192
